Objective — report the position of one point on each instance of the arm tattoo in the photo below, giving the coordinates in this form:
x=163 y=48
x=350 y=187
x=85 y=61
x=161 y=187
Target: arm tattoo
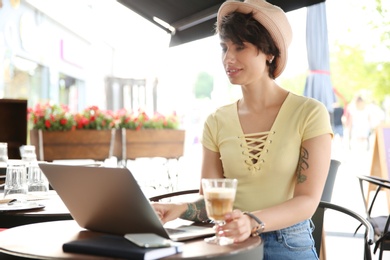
x=302 y=165
x=196 y=211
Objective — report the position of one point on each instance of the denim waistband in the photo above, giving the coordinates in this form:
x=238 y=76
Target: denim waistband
x=294 y=228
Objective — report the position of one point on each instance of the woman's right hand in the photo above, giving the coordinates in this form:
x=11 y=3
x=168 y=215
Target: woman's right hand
x=169 y=211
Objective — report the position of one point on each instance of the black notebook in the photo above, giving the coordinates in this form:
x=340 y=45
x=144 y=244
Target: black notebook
x=117 y=246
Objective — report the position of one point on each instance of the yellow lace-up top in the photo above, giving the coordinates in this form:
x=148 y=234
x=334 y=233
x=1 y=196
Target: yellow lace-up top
x=265 y=163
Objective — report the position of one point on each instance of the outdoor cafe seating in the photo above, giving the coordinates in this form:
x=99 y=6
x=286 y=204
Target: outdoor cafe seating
x=379 y=222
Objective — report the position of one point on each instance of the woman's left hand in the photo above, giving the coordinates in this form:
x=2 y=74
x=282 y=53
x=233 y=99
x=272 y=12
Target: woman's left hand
x=238 y=226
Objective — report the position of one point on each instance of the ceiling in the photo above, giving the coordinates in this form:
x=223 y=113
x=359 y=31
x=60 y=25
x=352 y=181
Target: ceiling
x=188 y=20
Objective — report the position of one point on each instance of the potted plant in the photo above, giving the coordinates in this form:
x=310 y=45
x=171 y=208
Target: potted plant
x=149 y=136
x=51 y=117
x=98 y=134
x=94 y=118
x=58 y=134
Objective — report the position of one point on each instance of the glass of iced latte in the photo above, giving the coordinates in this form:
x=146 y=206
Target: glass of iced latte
x=219 y=196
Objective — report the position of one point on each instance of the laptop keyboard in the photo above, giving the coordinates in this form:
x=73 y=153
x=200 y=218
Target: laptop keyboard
x=172 y=231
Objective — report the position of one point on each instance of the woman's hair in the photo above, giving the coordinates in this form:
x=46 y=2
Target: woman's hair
x=240 y=27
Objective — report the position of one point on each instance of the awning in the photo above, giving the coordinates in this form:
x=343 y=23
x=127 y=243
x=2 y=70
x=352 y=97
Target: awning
x=189 y=20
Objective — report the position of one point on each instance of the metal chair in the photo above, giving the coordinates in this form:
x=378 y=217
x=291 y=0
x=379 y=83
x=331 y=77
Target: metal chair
x=327 y=196
x=330 y=180
x=173 y=194
x=318 y=220
x=380 y=223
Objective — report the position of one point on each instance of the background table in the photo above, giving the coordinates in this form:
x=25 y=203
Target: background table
x=54 y=210
x=45 y=240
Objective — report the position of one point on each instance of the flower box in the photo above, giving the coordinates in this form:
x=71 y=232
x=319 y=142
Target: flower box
x=97 y=134
x=76 y=144
x=101 y=144
x=167 y=143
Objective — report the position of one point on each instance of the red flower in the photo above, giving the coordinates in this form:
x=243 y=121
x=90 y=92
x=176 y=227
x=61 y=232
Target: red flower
x=57 y=117
x=63 y=121
x=47 y=123
x=81 y=122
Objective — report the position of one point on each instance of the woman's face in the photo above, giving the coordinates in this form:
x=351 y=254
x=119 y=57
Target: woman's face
x=244 y=64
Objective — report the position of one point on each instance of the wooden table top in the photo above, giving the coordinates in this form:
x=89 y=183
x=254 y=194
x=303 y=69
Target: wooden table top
x=45 y=240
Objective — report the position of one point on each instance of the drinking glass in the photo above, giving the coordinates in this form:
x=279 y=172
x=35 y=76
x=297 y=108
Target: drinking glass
x=16 y=181
x=27 y=153
x=36 y=180
x=219 y=197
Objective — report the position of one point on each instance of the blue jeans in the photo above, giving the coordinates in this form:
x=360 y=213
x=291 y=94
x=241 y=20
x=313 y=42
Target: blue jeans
x=295 y=242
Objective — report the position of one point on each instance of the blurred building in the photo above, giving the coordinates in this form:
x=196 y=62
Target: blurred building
x=65 y=57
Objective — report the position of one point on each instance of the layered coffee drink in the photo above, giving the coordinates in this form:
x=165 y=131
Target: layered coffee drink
x=219 y=195
x=219 y=201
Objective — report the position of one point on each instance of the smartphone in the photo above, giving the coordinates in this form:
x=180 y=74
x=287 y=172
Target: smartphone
x=148 y=240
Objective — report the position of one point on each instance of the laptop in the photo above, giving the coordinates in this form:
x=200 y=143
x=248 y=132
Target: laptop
x=110 y=200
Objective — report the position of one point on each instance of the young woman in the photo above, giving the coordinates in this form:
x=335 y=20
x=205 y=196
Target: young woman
x=276 y=143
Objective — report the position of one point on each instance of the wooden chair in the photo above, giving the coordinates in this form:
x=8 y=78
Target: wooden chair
x=380 y=223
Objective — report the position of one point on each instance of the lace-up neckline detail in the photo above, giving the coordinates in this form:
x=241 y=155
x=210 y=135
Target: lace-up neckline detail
x=253 y=146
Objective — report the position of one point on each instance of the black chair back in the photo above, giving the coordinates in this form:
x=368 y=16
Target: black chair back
x=330 y=180
x=318 y=220
x=380 y=223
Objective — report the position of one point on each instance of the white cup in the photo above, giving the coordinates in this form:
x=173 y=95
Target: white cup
x=16 y=181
